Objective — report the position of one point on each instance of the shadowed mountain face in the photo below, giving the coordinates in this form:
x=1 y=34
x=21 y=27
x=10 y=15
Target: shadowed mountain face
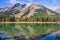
x=1 y=8
x=27 y=10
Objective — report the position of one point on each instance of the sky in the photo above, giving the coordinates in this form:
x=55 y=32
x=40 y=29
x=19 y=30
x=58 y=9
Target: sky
x=47 y=3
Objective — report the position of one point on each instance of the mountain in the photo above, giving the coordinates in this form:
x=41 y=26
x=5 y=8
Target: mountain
x=35 y=10
x=12 y=9
x=57 y=10
x=1 y=8
x=27 y=10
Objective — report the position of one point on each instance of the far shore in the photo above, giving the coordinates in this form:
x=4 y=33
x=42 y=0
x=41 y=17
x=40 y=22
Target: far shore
x=34 y=22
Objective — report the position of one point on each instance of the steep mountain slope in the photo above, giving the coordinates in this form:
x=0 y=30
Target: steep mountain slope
x=27 y=10
x=36 y=10
x=12 y=9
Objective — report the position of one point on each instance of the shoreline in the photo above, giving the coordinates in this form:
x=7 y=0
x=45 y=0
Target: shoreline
x=33 y=22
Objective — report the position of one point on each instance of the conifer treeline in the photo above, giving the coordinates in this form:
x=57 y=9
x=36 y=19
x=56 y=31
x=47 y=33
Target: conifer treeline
x=30 y=19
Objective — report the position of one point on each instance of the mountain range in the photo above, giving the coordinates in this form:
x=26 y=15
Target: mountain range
x=26 y=10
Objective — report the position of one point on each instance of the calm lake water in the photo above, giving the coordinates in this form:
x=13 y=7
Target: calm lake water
x=28 y=29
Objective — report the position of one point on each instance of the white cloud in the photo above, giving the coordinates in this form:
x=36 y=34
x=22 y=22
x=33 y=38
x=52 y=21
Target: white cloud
x=16 y=1
x=12 y=1
x=20 y=1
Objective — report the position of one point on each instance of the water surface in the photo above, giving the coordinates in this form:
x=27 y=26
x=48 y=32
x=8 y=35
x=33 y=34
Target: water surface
x=28 y=29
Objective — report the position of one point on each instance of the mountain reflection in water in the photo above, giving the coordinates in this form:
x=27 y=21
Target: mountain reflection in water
x=30 y=30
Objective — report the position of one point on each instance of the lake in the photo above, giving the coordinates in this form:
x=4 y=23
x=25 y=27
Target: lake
x=15 y=29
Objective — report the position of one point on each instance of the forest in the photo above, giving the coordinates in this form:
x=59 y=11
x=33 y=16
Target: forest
x=30 y=19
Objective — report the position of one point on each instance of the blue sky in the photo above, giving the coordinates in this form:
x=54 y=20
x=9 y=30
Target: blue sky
x=47 y=3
